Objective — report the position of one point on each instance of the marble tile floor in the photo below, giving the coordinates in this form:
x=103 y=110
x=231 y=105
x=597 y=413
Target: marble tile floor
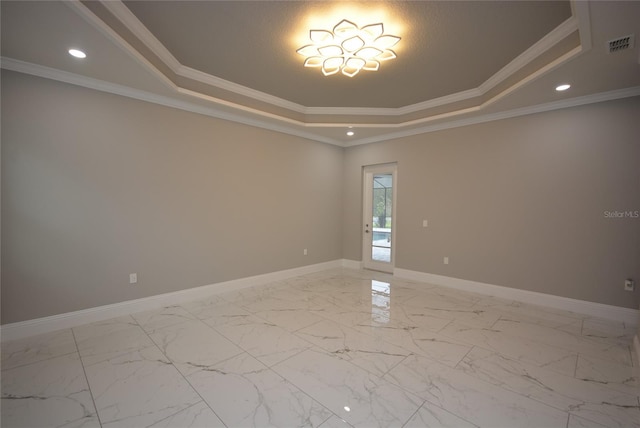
x=338 y=348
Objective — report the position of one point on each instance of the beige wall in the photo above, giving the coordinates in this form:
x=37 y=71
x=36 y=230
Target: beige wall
x=518 y=202
x=96 y=186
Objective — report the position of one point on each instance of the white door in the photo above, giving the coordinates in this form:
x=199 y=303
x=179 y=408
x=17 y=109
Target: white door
x=378 y=234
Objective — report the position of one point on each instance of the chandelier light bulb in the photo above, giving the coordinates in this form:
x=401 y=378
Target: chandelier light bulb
x=348 y=48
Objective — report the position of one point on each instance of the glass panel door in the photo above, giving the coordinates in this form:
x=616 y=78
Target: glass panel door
x=382 y=212
x=378 y=218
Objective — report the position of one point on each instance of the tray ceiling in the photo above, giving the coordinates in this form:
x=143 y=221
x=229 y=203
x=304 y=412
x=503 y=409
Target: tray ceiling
x=457 y=62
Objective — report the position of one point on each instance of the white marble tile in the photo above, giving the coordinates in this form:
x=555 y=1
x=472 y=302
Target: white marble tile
x=432 y=416
x=345 y=316
x=585 y=399
x=102 y=328
x=206 y=308
x=51 y=392
x=276 y=303
x=608 y=331
x=517 y=347
x=355 y=348
x=193 y=345
x=226 y=313
x=363 y=350
x=104 y=340
x=618 y=377
x=353 y=394
x=139 y=388
x=245 y=393
x=335 y=422
x=290 y=319
x=578 y=422
x=565 y=340
x=37 y=348
x=416 y=318
x=199 y=415
x=265 y=341
x=421 y=341
x=152 y=320
x=444 y=298
x=246 y=295
x=470 y=398
x=533 y=314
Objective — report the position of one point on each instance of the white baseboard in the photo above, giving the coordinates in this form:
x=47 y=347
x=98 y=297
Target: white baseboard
x=33 y=327
x=599 y=310
x=72 y=319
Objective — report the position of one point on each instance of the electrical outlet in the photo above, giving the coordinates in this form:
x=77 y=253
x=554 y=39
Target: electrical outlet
x=304 y=251
x=133 y=278
x=629 y=285
x=446 y=260
x=425 y=223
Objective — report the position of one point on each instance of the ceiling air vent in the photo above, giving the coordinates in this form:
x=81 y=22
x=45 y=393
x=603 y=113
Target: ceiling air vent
x=620 y=44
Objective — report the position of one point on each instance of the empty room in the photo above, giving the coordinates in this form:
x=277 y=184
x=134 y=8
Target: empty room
x=320 y=214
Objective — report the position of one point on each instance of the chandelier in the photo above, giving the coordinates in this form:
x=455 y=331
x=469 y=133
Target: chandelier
x=348 y=48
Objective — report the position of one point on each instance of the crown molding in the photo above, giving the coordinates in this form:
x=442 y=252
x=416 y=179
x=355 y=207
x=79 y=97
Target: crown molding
x=129 y=20
x=103 y=28
x=558 y=34
x=524 y=111
x=202 y=77
x=300 y=129
x=122 y=12
x=581 y=11
x=580 y=22
x=125 y=91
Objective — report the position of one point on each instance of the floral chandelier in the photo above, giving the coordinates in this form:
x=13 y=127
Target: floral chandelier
x=348 y=48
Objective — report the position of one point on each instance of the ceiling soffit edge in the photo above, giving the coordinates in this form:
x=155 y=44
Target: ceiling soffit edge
x=245 y=98
x=212 y=110
x=303 y=130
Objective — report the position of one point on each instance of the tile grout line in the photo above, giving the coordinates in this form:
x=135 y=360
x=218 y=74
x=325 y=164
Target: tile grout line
x=44 y=359
x=86 y=378
x=181 y=374
x=413 y=414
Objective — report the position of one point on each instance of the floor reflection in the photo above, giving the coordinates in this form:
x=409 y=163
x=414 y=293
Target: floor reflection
x=380 y=301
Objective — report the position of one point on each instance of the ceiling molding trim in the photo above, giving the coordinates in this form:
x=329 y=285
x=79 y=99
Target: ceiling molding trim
x=97 y=23
x=399 y=111
x=119 y=8
x=202 y=77
x=524 y=111
x=293 y=128
x=451 y=114
x=535 y=75
x=581 y=11
x=125 y=91
x=558 y=34
x=121 y=12
x=129 y=20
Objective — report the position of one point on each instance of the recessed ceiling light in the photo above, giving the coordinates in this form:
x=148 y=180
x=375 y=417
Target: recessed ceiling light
x=350 y=133
x=563 y=87
x=77 y=53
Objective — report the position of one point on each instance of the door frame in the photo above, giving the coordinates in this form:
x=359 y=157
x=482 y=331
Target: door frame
x=367 y=215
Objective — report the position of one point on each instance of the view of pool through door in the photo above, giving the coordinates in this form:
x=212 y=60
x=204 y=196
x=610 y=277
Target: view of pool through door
x=379 y=216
